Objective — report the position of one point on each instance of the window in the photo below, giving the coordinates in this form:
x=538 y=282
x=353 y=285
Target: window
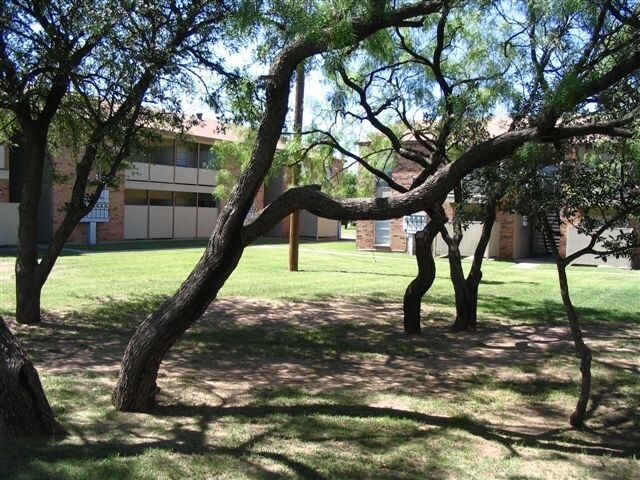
x=207 y=157
x=139 y=156
x=162 y=153
x=158 y=198
x=186 y=155
x=206 y=200
x=382 y=188
x=135 y=197
x=382 y=232
x=185 y=199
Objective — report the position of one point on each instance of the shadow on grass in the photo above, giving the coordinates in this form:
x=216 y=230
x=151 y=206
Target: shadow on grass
x=357 y=426
x=91 y=338
x=554 y=439
x=97 y=338
x=530 y=310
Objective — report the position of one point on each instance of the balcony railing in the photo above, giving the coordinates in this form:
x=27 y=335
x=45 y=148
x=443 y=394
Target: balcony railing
x=100 y=212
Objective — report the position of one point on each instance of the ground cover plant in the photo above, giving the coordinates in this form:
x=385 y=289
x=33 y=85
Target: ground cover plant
x=308 y=374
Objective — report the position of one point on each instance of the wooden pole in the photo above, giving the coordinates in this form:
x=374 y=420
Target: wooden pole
x=294 y=218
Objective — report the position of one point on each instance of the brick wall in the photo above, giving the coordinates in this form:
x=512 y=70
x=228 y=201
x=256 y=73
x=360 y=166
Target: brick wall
x=507 y=226
x=111 y=231
x=364 y=234
x=404 y=173
x=562 y=243
x=4 y=191
x=258 y=202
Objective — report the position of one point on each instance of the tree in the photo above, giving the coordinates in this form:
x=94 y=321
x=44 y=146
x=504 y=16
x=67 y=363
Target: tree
x=83 y=76
x=431 y=92
x=136 y=387
x=477 y=196
x=596 y=195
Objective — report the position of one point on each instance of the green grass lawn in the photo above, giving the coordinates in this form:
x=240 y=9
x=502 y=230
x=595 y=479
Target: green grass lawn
x=328 y=270
x=308 y=374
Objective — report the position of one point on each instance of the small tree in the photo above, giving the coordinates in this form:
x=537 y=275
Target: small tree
x=596 y=195
x=83 y=76
x=477 y=197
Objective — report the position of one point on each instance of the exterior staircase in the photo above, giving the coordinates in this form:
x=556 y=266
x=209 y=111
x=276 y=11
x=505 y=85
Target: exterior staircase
x=540 y=244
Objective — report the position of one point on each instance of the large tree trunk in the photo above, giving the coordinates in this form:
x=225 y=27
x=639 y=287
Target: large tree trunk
x=420 y=285
x=136 y=388
x=28 y=277
x=24 y=409
x=28 y=292
x=578 y=416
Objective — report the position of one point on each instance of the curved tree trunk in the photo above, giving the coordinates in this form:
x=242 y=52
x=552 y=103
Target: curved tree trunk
x=136 y=388
x=24 y=409
x=472 y=282
x=426 y=271
x=578 y=416
x=456 y=273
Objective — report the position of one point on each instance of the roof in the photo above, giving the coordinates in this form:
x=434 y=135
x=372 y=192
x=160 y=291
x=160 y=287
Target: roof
x=204 y=130
x=211 y=129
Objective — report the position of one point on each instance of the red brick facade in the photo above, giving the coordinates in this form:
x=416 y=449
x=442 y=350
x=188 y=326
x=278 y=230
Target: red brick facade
x=507 y=227
x=111 y=231
x=4 y=191
x=404 y=174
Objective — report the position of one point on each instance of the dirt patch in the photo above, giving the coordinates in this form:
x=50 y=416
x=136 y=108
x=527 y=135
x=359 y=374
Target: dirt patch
x=370 y=356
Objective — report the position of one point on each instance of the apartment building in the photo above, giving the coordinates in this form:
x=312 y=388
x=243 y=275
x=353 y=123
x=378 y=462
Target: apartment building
x=166 y=193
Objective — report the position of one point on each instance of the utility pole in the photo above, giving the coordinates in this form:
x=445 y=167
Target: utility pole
x=294 y=218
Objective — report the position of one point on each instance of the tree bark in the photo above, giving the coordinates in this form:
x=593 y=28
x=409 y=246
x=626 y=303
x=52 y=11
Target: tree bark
x=474 y=277
x=466 y=289
x=28 y=278
x=578 y=416
x=24 y=409
x=136 y=388
x=426 y=271
x=456 y=273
